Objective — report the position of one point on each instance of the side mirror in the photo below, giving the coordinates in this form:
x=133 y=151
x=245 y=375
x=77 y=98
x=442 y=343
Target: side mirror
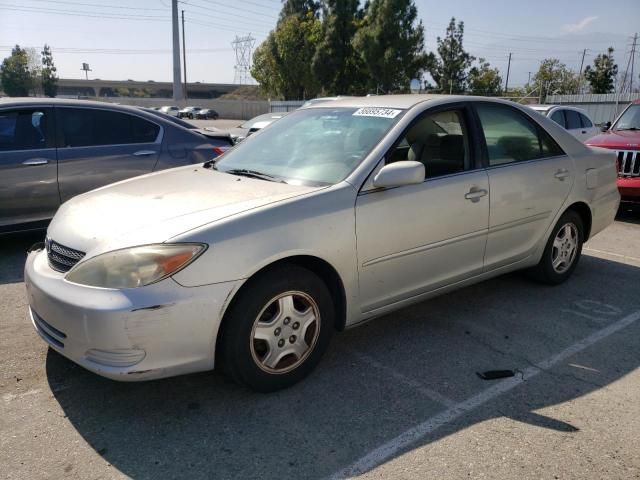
x=399 y=173
x=606 y=126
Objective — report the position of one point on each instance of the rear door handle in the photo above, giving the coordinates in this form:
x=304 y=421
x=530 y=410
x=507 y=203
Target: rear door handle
x=144 y=153
x=561 y=174
x=475 y=194
x=36 y=161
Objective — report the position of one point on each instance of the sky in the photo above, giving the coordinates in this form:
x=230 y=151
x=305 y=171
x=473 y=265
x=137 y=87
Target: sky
x=132 y=39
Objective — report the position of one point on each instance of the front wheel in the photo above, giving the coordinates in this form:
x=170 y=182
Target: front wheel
x=277 y=329
x=562 y=251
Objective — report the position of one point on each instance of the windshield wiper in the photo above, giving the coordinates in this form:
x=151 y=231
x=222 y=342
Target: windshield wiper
x=627 y=128
x=253 y=174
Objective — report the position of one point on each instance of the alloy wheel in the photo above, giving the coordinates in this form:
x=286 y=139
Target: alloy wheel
x=285 y=332
x=565 y=247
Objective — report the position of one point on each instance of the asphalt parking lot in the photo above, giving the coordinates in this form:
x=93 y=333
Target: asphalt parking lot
x=397 y=398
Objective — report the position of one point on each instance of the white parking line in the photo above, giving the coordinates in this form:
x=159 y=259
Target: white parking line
x=392 y=447
x=626 y=258
x=402 y=378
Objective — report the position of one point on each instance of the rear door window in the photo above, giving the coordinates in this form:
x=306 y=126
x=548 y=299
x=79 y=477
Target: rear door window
x=558 y=117
x=586 y=123
x=573 y=120
x=83 y=127
x=512 y=137
x=25 y=129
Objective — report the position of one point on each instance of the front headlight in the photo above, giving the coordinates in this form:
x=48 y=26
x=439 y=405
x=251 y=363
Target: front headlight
x=134 y=267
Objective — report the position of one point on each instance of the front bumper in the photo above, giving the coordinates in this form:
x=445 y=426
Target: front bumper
x=157 y=331
x=629 y=189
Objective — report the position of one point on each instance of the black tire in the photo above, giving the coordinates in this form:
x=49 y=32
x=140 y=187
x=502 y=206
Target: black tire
x=236 y=351
x=544 y=272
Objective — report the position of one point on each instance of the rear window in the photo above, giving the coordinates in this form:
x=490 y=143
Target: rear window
x=83 y=127
x=24 y=129
x=586 y=123
x=573 y=119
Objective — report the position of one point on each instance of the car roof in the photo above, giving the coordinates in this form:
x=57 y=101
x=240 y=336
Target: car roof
x=541 y=108
x=383 y=101
x=18 y=101
x=546 y=108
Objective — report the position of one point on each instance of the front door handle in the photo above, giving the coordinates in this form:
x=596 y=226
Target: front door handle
x=475 y=194
x=36 y=161
x=561 y=174
x=144 y=153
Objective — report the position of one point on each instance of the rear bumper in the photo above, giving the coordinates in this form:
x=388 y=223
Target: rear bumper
x=157 y=331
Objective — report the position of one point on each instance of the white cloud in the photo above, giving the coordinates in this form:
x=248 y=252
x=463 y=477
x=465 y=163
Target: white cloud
x=581 y=25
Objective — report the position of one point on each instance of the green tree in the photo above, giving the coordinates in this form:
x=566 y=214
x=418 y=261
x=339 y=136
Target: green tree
x=450 y=69
x=299 y=8
x=603 y=73
x=336 y=62
x=282 y=63
x=390 y=42
x=49 y=77
x=15 y=75
x=484 y=80
x=554 y=78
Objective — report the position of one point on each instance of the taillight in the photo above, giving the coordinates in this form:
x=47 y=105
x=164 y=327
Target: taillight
x=220 y=150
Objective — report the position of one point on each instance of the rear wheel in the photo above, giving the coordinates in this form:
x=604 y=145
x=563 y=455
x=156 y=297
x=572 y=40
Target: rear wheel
x=277 y=329
x=562 y=251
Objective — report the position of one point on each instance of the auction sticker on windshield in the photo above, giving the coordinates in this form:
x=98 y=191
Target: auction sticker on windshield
x=377 y=112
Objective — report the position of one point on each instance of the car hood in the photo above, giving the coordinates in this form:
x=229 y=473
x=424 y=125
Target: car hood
x=156 y=207
x=624 y=140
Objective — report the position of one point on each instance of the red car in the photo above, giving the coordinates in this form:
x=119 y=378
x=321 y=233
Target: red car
x=624 y=137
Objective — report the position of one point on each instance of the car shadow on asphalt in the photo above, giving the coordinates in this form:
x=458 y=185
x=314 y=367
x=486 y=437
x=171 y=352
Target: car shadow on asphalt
x=374 y=383
x=14 y=248
x=629 y=214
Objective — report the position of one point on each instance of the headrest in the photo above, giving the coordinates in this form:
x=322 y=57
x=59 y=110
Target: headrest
x=452 y=147
x=415 y=152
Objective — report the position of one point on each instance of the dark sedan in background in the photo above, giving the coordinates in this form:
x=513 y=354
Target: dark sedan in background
x=53 y=149
x=207 y=114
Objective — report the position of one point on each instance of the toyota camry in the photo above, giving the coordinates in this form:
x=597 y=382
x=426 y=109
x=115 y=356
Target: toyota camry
x=336 y=214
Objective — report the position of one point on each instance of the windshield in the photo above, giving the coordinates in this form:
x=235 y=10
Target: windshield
x=314 y=146
x=630 y=119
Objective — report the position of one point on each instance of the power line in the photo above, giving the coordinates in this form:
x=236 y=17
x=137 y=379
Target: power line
x=228 y=28
x=85 y=14
x=120 y=51
x=98 y=5
x=214 y=2
x=232 y=17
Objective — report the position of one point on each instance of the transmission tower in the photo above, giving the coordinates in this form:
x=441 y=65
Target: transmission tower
x=243 y=47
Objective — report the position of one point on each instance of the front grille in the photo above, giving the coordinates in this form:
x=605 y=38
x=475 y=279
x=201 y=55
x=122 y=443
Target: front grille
x=628 y=163
x=62 y=258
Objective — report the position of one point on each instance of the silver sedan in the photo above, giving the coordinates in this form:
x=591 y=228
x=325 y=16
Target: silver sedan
x=335 y=214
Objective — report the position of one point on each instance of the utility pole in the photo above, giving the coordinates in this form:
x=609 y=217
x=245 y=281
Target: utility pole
x=184 y=57
x=584 y=52
x=529 y=78
x=633 y=59
x=506 y=83
x=177 y=87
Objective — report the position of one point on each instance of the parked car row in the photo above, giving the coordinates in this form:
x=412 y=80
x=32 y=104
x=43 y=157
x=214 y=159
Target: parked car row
x=52 y=150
